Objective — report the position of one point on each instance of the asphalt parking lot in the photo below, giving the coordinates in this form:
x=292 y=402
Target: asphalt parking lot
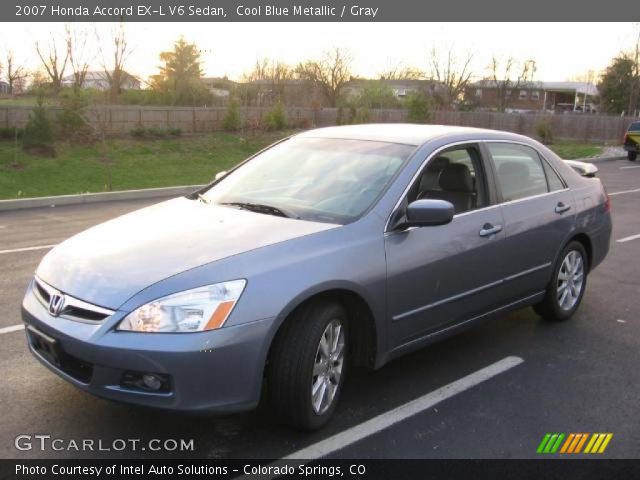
x=578 y=376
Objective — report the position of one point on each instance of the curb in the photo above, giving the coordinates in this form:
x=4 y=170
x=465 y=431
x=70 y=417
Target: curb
x=55 y=201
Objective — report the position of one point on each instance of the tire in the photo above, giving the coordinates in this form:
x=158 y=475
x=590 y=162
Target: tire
x=560 y=303
x=632 y=156
x=299 y=366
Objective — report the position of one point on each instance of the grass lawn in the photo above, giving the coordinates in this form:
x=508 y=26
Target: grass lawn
x=24 y=101
x=574 y=151
x=149 y=163
x=135 y=164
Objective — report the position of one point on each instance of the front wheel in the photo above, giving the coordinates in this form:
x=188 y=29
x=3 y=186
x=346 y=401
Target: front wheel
x=567 y=286
x=307 y=366
x=632 y=156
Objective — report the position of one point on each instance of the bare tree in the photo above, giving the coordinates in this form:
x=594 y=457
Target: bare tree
x=15 y=74
x=53 y=61
x=78 y=54
x=452 y=71
x=273 y=75
x=401 y=72
x=506 y=76
x=114 y=69
x=329 y=73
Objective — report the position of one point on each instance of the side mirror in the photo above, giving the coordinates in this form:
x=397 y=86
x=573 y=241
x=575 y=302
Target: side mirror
x=219 y=175
x=428 y=213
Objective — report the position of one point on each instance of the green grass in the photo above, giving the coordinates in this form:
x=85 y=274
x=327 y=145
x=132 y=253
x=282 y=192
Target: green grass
x=573 y=151
x=134 y=164
x=26 y=101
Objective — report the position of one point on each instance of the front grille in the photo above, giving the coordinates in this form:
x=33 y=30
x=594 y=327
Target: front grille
x=73 y=308
x=43 y=294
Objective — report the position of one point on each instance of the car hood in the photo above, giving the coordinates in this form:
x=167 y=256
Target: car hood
x=109 y=263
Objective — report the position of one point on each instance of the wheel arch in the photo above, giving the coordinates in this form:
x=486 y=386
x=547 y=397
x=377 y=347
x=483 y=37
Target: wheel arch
x=584 y=239
x=362 y=325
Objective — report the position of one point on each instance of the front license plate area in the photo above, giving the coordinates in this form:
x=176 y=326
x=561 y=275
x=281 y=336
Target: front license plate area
x=46 y=346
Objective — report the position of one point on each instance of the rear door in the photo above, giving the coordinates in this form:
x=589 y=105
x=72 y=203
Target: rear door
x=539 y=214
x=442 y=275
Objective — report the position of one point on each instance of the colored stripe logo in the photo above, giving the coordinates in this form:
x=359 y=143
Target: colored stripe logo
x=573 y=443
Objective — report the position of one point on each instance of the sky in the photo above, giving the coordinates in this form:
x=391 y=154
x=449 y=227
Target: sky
x=562 y=51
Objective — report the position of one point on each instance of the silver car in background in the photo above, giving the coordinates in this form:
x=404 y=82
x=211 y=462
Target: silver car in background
x=335 y=247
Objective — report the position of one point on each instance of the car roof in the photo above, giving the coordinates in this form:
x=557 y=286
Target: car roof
x=405 y=133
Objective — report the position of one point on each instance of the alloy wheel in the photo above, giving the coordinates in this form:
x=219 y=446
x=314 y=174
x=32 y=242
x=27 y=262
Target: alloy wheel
x=327 y=367
x=570 y=280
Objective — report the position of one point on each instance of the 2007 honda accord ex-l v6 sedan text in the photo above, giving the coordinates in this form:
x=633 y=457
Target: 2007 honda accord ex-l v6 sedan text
x=335 y=247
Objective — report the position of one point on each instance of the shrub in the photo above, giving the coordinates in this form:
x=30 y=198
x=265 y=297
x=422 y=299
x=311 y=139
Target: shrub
x=137 y=132
x=71 y=120
x=232 y=120
x=276 y=118
x=38 y=132
x=544 y=130
x=376 y=95
x=154 y=132
x=361 y=115
x=10 y=133
x=419 y=108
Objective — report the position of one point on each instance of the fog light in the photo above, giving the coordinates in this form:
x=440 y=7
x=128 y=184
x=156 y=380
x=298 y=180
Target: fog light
x=147 y=382
x=151 y=381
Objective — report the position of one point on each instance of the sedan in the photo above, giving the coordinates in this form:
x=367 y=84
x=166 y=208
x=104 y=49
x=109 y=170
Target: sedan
x=337 y=247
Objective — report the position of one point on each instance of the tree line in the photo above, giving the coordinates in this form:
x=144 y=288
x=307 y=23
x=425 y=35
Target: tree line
x=179 y=77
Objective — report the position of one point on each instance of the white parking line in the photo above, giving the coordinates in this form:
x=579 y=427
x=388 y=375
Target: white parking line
x=629 y=238
x=26 y=249
x=630 y=167
x=624 y=191
x=386 y=420
x=12 y=328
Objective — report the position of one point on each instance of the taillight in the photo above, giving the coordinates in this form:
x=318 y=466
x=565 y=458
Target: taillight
x=625 y=138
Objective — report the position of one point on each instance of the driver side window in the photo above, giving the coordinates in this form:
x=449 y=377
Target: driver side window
x=455 y=175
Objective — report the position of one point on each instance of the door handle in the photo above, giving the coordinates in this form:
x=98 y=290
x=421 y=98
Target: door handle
x=488 y=230
x=561 y=207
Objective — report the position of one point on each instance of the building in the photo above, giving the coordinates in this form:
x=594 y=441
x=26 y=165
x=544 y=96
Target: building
x=4 y=88
x=556 y=97
x=100 y=81
x=400 y=88
x=220 y=87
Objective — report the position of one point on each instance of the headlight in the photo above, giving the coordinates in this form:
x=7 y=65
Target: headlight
x=203 y=308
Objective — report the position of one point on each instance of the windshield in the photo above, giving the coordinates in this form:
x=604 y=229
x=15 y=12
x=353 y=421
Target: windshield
x=317 y=179
x=634 y=127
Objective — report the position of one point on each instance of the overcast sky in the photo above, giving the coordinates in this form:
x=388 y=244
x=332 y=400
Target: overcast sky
x=562 y=50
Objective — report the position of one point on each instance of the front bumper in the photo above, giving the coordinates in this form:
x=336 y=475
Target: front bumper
x=219 y=371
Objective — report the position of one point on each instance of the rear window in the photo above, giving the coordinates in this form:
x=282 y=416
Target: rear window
x=635 y=126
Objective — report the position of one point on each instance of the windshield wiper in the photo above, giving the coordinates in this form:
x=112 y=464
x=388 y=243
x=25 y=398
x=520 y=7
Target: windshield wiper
x=262 y=208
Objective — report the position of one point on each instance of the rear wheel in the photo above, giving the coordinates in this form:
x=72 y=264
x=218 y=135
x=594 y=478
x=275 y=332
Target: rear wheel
x=567 y=286
x=632 y=156
x=307 y=366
